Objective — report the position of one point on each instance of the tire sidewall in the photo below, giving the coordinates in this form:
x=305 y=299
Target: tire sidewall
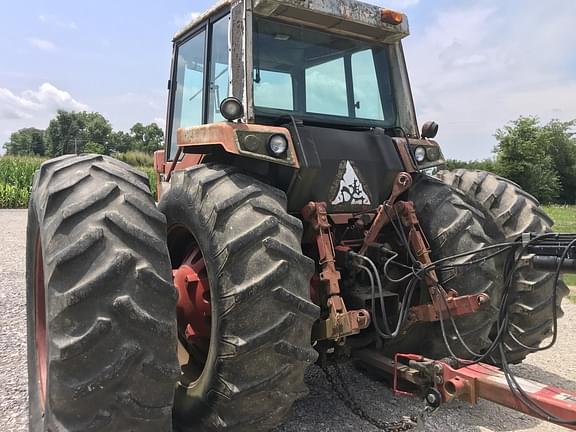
x=196 y=398
x=39 y=418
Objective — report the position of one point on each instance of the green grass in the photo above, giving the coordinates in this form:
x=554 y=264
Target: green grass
x=564 y=217
x=136 y=158
x=151 y=178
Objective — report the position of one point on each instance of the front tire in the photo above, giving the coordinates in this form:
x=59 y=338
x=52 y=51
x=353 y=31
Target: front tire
x=512 y=212
x=100 y=305
x=246 y=360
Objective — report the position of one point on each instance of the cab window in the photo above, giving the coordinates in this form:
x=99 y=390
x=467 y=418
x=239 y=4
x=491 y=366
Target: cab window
x=194 y=102
x=188 y=96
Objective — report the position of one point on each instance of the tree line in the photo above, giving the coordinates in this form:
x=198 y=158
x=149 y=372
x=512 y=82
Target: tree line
x=83 y=132
x=540 y=158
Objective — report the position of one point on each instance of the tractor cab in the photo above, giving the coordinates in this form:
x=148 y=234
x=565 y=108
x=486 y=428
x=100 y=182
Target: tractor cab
x=317 y=98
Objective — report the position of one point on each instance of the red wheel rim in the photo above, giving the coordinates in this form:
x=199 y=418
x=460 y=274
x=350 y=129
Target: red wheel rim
x=40 y=322
x=194 y=309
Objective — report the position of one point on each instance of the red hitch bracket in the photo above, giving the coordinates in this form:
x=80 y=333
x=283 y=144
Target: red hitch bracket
x=340 y=322
x=482 y=381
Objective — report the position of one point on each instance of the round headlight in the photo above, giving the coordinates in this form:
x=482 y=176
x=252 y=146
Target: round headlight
x=231 y=109
x=420 y=154
x=277 y=145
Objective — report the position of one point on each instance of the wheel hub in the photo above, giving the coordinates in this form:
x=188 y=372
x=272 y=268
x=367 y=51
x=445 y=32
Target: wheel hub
x=194 y=309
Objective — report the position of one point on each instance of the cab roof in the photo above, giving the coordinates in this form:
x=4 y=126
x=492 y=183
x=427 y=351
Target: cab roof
x=351 y=17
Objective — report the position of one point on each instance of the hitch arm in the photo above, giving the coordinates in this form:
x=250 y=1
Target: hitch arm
x=469 y=383
x=340 y=321
x=481 y=381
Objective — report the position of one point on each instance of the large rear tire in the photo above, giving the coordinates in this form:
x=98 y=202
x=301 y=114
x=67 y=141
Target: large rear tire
x=452 y=227
x=245 y=362
x=101 y=308
x=512 y=212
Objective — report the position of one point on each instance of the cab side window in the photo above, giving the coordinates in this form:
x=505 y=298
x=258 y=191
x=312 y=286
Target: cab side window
x=188 y=97
x=194 y=102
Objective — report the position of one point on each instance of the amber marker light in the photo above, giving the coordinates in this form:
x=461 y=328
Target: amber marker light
x=391 y=17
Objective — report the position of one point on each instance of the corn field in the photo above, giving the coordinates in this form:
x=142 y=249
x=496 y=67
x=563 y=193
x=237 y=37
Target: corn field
x=16 y=175
x=17 y=172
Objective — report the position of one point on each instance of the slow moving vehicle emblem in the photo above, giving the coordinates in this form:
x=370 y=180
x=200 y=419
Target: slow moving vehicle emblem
x=351 y=191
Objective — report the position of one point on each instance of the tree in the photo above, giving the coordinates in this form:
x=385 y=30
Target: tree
x=28 y=141
x=93 y=147
x=483 y=165
x=560 y=144
x=147 y=138
x=121 y=142
x=62 y=134
x=70 y=132
x=523 y=156
x=95 y=129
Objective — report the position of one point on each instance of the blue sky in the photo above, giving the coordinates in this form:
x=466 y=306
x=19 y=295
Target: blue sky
x=474 y=64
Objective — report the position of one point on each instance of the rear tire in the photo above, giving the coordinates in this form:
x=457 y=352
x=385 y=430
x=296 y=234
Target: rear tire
x=452 y=227
x=261 y=313
x=512 y=212
x=96 y=252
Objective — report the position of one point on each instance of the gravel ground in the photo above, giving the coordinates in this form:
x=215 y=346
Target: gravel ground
x=320 y=411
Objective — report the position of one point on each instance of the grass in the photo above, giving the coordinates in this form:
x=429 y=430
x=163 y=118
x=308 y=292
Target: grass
x=564 y=217
x=136 y=158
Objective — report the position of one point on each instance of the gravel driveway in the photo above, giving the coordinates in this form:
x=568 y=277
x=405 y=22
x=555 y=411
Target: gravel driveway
x=320 y=411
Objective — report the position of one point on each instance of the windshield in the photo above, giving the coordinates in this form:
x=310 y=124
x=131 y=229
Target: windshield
x=320 y=75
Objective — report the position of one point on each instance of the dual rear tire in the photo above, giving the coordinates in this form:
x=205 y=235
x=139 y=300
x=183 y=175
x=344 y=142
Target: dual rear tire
x=102 y=327
x=509 y=212
x=261 y=315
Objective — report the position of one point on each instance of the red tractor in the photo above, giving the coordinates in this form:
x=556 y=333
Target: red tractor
x=296 y=223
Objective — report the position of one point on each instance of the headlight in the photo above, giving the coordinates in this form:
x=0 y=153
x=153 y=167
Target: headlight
x=420 y=154
x=277 y=145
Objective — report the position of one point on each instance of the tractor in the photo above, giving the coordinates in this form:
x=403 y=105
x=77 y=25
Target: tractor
x=296 y=222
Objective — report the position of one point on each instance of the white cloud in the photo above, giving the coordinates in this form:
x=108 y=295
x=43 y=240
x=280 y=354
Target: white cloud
x=181 y=21
x=56 y=21
x=42 y=44
x=33 y=108
x=47 y=99
x=474 y=68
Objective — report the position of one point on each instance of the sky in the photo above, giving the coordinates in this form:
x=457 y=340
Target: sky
x=474 y=65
